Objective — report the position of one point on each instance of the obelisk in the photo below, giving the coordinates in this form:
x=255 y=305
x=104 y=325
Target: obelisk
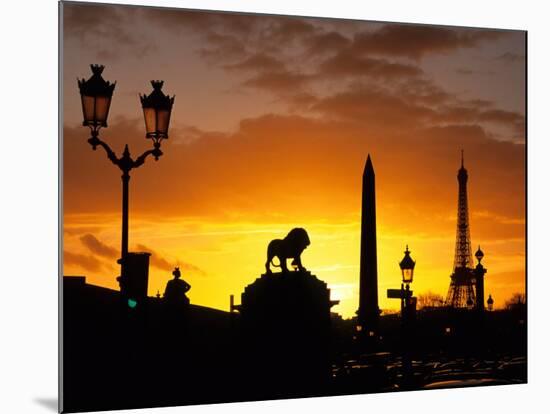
x=368 y=313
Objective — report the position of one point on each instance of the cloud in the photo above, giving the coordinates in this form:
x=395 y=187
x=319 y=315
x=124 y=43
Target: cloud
x=279 y=82
x=110 y=29
x=350 y=64
x=416 y=41
x=475 y=114
x=78 y=230
x=99 y=248
x=202 y=21
x=86 y=262
x=375 y=107
x=161 y=263
x=326 y=42
x=257 y=62
x=510 y=57
x=222 y=48
x=470 y=72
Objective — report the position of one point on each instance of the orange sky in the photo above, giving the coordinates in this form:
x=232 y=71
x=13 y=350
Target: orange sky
x=271 y=127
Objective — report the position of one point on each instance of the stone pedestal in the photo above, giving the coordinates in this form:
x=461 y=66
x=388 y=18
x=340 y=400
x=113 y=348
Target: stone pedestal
x=285 y=321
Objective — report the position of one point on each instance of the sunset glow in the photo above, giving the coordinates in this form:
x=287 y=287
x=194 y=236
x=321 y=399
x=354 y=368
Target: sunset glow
x=271 y=126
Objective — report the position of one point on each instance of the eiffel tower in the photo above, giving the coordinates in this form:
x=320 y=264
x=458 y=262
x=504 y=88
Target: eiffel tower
x=461 y=291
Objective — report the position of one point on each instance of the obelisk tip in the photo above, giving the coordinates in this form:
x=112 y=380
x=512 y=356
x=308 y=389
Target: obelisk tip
x=368 y=166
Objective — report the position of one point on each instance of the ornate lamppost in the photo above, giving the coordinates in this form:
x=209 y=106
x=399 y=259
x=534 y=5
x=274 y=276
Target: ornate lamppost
x=407 y=273
x=408 y=307
x=96 y=95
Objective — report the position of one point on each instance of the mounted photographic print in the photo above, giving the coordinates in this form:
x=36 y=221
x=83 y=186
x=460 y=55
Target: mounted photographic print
x=260 y=207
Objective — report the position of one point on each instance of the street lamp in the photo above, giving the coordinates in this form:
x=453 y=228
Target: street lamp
x=479 y=255
x=490 y=303
x=157 y=108
x=407 y=267
x=407 y=273
x=96 y=94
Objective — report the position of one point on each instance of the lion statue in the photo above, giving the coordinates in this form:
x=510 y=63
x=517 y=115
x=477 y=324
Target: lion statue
x=291 y=246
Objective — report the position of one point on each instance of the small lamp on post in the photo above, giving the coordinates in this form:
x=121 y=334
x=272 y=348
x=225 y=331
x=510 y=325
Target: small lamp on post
x=490 y=303
x=407 y=267
x=407 y=273
x=96 y=95
x=479 y=255
x=157 y=108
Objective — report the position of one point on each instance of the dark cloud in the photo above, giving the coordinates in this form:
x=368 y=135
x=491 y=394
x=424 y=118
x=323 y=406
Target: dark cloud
x=279 y=82
x=221 y=48
x=287 y=31
x=257 y=62
x=422 y=91
x=469 y=72
x=350 y=64
x=99 y=248
x=161 y=263
x=375 y=107
x=510 y=57
x=474 y=114
x=327 y=42
x=86 y=262
x=77 y=231
x=201 y=21
x=110 y=29
x=415 y=41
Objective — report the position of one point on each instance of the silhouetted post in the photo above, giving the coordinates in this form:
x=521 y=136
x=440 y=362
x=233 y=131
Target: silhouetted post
x=479 y=272
x=96 y=94
x=125 y=213
x=368 y=312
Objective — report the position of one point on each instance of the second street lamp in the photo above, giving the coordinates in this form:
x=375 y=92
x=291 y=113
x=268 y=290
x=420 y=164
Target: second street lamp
x=407 y=272
x=407 y=267
x=96 y=94
x=157 y=108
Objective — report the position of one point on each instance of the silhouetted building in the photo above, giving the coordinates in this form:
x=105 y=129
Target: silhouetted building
x=368 y=313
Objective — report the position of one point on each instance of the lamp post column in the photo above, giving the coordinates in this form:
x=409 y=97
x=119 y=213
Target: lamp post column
x=125 y=214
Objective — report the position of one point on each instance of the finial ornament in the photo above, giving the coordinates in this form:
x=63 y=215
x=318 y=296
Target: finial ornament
x=157 y=84
x=97 y=69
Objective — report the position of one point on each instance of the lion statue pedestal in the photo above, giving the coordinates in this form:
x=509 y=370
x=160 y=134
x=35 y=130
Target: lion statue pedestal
x=285 y=322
